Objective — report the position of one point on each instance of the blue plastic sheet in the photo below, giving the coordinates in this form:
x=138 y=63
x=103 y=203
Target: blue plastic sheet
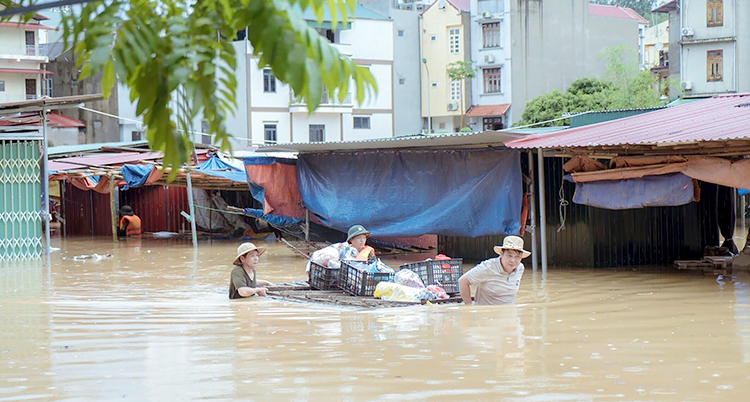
x=218 y=168
x=267 y=160
x=649 y=191
x=135 y=175
x=742 y=191
x=275 y=220
x=410 y=193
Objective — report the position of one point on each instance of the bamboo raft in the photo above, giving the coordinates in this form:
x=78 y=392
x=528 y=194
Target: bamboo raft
x=301 y=291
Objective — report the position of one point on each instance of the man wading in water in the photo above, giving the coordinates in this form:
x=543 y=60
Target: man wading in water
x=496 y=279
x=243 y=282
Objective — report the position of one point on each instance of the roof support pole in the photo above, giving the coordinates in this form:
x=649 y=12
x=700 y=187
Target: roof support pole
x=542 y=213
x=532 y=214
x=191 y=208
x=113 y=213
x=307 y=225
x=45 y=188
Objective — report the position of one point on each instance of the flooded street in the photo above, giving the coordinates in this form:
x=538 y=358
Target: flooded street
x=155 y=324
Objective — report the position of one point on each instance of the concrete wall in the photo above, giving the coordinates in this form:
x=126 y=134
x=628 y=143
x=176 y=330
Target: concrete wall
x=64 y=136
x=554 y=43
x=66 y=82
x=500 y=56
x=406 y=73
x=437 y=22
x=733 y=38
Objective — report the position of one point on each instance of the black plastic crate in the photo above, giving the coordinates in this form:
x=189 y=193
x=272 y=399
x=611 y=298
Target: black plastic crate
x=323 y=278
x=444 y=273
x=358 y=282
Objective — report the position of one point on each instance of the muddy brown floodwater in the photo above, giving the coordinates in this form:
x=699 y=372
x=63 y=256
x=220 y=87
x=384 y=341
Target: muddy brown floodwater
x=154 y=324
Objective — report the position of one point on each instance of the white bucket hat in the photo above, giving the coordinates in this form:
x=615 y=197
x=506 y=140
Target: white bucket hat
x=245 y=248
x=512 y=243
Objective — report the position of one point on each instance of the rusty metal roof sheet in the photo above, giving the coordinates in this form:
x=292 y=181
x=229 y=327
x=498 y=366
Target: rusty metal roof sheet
x=723 y=117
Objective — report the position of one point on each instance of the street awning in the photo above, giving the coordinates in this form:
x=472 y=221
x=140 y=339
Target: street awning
x=25 y=71
x=488 y=110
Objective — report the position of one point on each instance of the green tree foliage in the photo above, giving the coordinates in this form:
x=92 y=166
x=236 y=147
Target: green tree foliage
x=461 y=71
x=179 y=52
x=623 y=86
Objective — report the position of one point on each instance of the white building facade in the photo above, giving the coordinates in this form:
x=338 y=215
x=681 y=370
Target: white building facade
x=22 y=58
x=268 y=112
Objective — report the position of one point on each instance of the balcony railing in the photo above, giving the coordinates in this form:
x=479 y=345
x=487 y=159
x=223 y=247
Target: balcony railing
x=324 y=100
x=16 y=97
x=25 y=50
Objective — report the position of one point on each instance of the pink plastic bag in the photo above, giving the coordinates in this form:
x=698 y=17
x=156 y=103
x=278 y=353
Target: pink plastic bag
x=438 y=291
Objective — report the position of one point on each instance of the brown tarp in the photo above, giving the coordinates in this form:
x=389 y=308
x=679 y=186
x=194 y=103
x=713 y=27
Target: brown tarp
x=281 y=196
x=705 y=168
x=583 y=163
x=634 y=161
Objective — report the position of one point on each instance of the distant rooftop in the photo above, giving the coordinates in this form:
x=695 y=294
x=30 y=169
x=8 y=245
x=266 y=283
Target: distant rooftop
x=616 y=12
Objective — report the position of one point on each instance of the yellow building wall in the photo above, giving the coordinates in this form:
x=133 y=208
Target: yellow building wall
x=437 y=22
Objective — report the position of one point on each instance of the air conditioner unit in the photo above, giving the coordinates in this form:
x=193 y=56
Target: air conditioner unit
x=453 y=106
x=486 y=14
x=488 y=58
x=687 y=85
x=687 y=31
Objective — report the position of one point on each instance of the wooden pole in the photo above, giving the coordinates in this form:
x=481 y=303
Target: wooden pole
x=113 y=213
x=532 y=212
x=307 y=225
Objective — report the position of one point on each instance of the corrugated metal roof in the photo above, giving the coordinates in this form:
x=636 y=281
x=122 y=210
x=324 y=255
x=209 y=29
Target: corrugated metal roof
x=412 y=141
x=71 y=149
x=722 y=117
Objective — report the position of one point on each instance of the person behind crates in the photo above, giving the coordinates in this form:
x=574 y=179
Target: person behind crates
x=130 y=223
x=496 y=279
x=357 y=237
x=243 y=281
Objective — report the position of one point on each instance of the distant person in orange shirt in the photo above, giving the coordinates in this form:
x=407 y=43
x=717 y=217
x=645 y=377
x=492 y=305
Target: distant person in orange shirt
x=130 y=223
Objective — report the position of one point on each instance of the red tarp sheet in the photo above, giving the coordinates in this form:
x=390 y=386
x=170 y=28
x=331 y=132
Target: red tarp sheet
x=280 y=183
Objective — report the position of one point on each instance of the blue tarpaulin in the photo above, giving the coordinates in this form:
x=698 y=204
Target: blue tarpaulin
x=742 y=191
x=415 y=192
x=649 y=191
x=267 y=160
x=275 y=220
x=135 y=175
x=218 y=168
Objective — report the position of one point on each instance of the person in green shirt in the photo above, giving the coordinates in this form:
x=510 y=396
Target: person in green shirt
x=243 y=282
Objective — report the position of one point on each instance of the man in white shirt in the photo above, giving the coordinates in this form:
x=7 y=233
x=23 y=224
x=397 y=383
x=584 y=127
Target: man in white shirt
x=496 y=279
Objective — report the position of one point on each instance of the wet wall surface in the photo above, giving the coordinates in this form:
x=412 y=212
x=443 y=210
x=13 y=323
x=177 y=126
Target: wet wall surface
x=153 y=323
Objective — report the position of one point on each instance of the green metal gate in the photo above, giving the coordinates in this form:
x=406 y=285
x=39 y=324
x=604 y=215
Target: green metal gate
x=20 y=200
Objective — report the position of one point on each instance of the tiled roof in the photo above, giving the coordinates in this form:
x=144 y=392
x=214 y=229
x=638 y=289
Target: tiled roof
x=723 y=117
x=488 y=110
x=615 y=12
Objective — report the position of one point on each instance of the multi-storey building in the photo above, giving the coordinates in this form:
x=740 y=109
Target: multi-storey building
x=445 y=39
x=269 y=112
x=525 y=48
x=709 y=44
x=22 y=59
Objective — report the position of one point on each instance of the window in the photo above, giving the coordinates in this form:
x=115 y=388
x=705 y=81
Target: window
x=330 y=34
x=48 y=87
x=714 y=65
x=491 y=35
x=401 y=81
x=2 y=86
x=317 y=132
x=491 y=80
x=492 y=123
x=205 y=137
x=269 y=81
x=433 y=84
x=400 y=32
x=136 y=135
x=361 y=121
x=269 y=134
x=433 y=38
x=714 y=13
x=455 y=91
x=454 y=44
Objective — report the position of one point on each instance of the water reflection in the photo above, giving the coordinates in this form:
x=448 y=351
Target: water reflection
x=153 y=322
